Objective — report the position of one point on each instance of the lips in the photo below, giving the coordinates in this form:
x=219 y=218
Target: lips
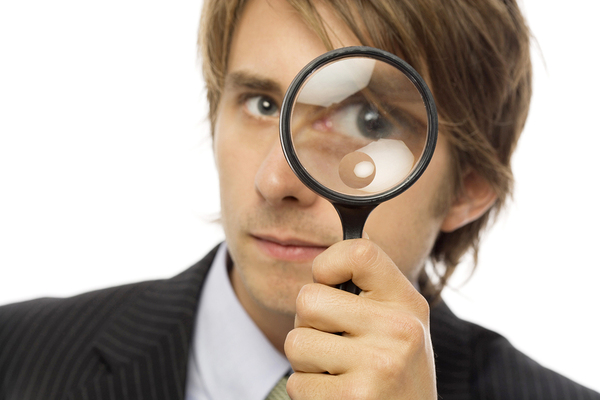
x=288 y=249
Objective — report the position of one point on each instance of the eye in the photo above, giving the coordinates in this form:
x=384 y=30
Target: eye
x=262 y=106
x=362 y=120
x=371 y=124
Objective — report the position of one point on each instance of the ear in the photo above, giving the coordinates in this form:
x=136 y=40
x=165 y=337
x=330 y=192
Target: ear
x=476 y=198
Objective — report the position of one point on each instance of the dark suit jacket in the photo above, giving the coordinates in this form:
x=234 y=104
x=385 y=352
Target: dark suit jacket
x=131 y=342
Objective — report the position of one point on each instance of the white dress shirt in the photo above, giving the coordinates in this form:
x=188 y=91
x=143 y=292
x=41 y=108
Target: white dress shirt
x=230 y=358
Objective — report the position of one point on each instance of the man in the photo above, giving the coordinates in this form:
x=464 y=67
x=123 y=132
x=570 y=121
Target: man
x=220 y=329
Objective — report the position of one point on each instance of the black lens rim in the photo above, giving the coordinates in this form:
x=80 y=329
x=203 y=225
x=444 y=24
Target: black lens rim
x=286 y=135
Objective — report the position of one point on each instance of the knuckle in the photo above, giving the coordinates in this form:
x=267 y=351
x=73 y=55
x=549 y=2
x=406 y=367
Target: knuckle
x=300 y=385
x=415 y=335
x=290 y=346
x=351 y=391
x=363 y=252
x=307 y=300
x=360 y=389
x=292 y=385
x=390 y=362
x=385 y=365
x=409 y=329
x=320 y=262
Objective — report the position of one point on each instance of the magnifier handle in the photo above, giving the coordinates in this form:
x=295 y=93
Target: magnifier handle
x=353 y=222
x=349 y=286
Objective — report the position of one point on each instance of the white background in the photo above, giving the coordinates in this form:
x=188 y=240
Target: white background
x=106 y=172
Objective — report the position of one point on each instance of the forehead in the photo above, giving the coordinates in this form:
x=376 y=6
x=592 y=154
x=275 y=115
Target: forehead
x=272 y=40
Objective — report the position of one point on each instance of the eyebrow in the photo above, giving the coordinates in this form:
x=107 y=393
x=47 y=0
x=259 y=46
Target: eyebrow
x=249 y=80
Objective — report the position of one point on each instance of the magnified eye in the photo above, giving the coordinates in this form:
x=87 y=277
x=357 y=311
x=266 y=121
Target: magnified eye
x=362 y=120
x=262 y=106
x=371 y=123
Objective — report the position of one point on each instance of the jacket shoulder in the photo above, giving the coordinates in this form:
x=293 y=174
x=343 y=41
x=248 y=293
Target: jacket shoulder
x=473 y=362
x=33 y=315
x=51 y=347
x=34 y=332
x=500 y=371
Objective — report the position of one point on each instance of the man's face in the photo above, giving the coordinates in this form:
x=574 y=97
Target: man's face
x=274 y=225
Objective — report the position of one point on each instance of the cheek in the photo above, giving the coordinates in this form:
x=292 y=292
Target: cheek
x=236 y=160
x=406 y=230
x=235 y=174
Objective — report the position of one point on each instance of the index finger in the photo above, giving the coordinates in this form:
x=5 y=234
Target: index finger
x=368 y=266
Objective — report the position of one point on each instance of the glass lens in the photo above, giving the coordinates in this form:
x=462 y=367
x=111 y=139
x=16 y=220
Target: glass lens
x=359 y=126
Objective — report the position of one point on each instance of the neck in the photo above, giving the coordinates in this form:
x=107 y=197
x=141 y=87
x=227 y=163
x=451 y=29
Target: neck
x=274 y=324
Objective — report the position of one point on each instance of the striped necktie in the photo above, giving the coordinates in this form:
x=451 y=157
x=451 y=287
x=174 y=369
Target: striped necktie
x=279 y=392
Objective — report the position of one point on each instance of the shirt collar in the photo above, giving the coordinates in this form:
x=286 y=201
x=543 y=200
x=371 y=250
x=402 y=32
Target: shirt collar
x=230 y=358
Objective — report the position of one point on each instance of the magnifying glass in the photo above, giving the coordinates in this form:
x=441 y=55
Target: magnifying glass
x=358 y=126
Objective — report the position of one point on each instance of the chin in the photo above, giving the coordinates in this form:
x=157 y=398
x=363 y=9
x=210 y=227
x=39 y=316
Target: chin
x=277 y=291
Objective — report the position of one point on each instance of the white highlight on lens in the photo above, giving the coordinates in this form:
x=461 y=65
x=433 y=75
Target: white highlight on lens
x=393 y=160
x=364 y=169
x=337 y=81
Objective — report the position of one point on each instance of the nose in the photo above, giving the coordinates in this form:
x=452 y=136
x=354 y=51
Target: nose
x=278 y=185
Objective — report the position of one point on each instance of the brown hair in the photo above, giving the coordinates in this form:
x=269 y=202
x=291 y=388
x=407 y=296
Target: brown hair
x=475 y=56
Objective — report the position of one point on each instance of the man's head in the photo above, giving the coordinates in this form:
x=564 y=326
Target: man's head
x=474 y=56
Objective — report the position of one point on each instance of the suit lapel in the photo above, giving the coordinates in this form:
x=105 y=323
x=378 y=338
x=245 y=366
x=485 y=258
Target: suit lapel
x=145 y=349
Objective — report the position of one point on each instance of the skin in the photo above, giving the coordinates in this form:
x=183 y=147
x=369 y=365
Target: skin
x=285 y=241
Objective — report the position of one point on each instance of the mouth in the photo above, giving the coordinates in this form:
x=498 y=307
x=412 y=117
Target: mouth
x=288 y=248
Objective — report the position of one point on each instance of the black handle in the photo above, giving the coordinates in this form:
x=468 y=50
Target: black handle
x=353 y=222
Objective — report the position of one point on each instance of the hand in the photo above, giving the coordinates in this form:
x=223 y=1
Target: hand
x=385 y=349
